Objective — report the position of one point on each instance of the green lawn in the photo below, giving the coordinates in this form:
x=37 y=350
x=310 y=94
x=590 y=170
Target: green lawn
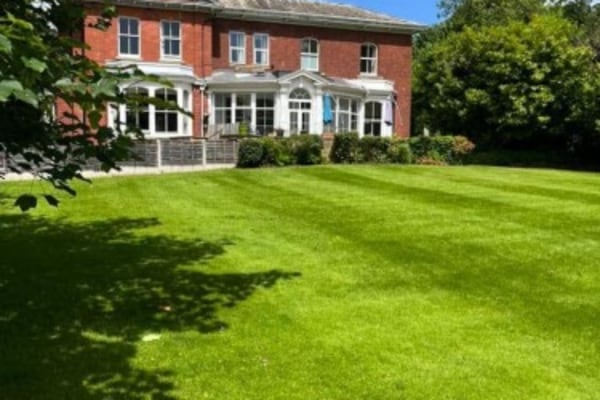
x=319 y=283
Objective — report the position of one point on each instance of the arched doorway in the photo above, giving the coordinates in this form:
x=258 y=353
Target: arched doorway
x=300 y=109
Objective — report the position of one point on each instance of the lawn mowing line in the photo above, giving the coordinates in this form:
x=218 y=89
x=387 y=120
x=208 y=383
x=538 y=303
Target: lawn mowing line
x=551 y=221
x=554 y=191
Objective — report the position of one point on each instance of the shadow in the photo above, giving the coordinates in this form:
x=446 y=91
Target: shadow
x=75 y=300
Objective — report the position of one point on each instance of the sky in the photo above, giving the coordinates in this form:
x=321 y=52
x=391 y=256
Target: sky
x=423 y=11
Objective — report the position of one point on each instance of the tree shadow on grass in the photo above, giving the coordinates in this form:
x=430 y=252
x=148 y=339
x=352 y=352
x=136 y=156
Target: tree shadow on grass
x=76 y=298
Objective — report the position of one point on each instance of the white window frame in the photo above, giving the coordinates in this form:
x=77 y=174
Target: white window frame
x=184 y=101
x=372 y=59
x=164 y=39
x=351 y=112
x=309 y=55
x=372 y=121
x=231 y=111
x=261 y=50
x=130 y=36
x=167 y=112
x=264 y=109
x=241 y=49
x=137 y=110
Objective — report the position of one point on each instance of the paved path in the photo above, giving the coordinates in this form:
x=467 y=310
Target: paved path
x=129 y=171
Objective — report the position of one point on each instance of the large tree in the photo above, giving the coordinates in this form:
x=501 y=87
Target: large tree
x=511 y=73
x=479 y=13
x=524 y=84
x=42 y=64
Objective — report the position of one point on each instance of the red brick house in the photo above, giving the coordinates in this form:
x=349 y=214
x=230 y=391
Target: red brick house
x=287 y=66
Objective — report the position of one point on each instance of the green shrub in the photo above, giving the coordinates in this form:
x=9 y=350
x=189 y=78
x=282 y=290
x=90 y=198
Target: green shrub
x=461 y=148
x=373 y=149
x=275 y=152
x=399 y=152
x=305 y=149
x=438 y=150
x=250 y=153
x=345 y=148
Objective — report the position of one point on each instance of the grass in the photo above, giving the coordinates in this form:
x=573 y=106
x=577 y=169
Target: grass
x=305 y=283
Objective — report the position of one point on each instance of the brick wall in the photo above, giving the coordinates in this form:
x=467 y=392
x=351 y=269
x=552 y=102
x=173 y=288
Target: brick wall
x=196 y=30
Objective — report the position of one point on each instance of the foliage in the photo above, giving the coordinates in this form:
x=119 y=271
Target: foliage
x=305 y=149
x=484 y=13
x=373 y=149
x=277 y=152
x=42 y=64
x=526 y=158
x=345 y=148
x=440 y=150
x=251 y=153
x=585 y=14
x=522 y=84
x=399 y=152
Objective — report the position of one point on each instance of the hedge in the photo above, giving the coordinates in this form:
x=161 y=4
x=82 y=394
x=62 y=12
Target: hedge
x=348 y=148
x=277 y=152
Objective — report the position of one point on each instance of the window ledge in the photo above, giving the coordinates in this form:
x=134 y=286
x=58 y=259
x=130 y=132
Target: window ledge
x=171 y=60
x=129 y=57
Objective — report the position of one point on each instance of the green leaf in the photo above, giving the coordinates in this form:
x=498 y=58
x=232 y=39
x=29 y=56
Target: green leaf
x=8 y=87
x=27 y=96
x=5 y=45
x=26 y=202
x=34 y=64
x=51 y=200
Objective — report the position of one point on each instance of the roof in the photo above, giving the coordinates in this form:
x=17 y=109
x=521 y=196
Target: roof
x=222 y=79
x=294 y=12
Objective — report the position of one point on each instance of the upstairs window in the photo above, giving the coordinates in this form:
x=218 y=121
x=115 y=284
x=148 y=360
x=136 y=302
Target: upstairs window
x=129 y=36
x=170 y=39
x=261 y=49
x=368 y=59
x=309 y=56
x=237 y=48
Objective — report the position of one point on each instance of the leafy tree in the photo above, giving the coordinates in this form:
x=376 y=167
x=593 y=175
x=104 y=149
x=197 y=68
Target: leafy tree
x=480 y=13
x=523 y=84
x=42 y=64
x=585 y=14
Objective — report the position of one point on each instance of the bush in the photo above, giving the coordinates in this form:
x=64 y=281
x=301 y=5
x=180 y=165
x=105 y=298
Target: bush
x=345 y=148
x=399 y=152
x=439 y=150
x=250 y=153
x=275 y=152
x=461 y=148
x=373 y=149
x=305 y=149
x=267 y=151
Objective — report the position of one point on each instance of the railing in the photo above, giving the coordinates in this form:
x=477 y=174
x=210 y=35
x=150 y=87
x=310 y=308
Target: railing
x=168 y=153
x=184 y=152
